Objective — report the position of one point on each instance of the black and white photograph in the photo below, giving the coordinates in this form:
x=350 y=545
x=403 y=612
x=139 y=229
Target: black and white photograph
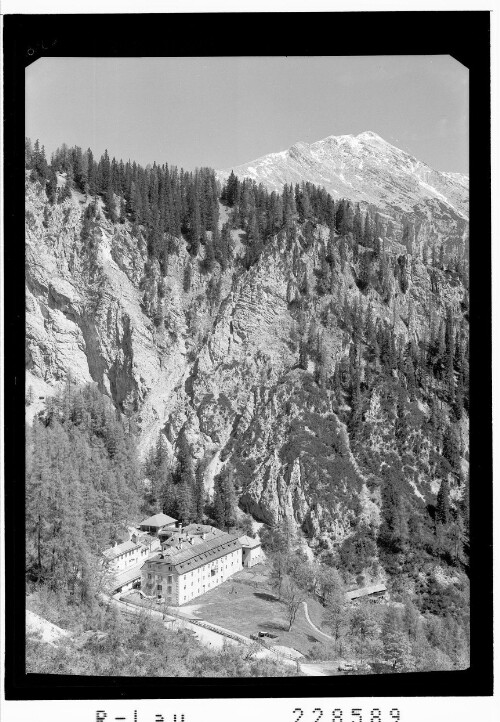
x=247 y=382
x=246 y=410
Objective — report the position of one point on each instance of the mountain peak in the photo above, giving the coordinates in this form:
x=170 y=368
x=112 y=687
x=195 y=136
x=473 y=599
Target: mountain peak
x=370 y=134
x=365 y=168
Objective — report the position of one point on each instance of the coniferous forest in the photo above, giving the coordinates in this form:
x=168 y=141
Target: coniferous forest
x=377 y=425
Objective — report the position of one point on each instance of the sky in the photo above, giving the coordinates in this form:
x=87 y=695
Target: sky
x=222 y=112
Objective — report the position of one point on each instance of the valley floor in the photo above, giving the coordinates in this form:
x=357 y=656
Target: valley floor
x=245 y=604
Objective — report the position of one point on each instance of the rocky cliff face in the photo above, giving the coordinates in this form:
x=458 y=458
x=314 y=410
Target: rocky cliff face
x=219 y=357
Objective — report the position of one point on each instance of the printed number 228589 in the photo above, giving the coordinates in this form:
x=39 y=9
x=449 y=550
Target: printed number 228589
x=339 y=715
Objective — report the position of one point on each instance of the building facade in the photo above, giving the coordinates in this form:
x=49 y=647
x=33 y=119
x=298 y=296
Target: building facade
x=192 y=567
x=131 y=552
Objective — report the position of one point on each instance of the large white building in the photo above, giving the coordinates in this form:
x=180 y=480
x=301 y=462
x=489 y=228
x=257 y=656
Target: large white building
x=191 y=566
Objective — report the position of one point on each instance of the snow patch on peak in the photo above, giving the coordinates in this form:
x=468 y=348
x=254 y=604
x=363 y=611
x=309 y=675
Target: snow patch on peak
x=370 y=134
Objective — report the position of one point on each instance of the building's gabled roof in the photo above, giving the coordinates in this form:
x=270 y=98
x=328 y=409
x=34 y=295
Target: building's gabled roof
x=122 y=548
x=247 y=541
x=365 y=591
x=157 y=520
x=192 y=556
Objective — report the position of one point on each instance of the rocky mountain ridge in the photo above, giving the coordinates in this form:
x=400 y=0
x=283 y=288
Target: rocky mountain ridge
x=367 y=169
x=361 y=167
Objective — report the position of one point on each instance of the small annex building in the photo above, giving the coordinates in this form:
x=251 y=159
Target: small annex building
x=373 y=592
x=191 y=566
x=153 y=524
x=130 y=552
x=251 y=551
x=123 y=561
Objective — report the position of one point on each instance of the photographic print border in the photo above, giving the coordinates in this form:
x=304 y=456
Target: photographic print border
x=465 y=36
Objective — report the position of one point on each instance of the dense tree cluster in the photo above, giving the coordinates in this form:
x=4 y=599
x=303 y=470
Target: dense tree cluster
x=82 y=488
x=165 y=201
x=263 y=214
x=175 y=485
x=403 y=638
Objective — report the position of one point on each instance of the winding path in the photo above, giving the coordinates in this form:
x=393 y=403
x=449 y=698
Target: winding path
x=318 y=631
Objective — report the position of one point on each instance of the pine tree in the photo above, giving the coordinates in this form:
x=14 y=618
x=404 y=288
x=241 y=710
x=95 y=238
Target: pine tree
x=230 y=190
x=394 y=528
x=368 y=232
x=356 y=416
x=39 y=163
x=209 y=260
x=224 y=502
x=357 y=230
x=185 y=501
x=166 y=492
x=200 y=492
x=451 y=449
x=51 y=187
x=109 y=200
x=443 y=503
x=218 y=504
x=229 y=500
x=365 y=269
x=92 y=174
x=185 y=491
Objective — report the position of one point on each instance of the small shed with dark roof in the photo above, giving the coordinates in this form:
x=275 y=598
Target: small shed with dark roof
x=375 y=591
